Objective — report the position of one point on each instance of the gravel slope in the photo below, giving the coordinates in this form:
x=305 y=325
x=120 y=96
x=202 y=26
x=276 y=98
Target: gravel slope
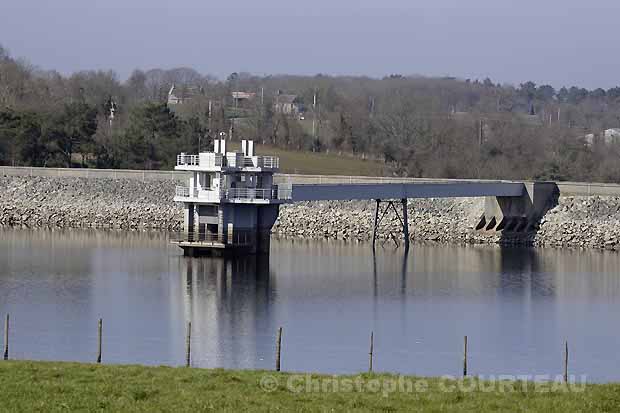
x=82 y=202
x=586 y=222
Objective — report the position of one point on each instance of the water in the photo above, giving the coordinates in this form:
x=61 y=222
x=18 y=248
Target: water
x=517 y=306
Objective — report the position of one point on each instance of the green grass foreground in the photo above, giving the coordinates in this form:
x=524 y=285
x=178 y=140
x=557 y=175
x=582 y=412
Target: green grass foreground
x=54 y=387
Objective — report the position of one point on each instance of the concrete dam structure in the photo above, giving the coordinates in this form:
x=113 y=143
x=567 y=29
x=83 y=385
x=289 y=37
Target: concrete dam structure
x=231 y=201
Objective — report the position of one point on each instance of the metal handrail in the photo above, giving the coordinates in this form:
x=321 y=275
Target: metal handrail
x=232 y=160
x=184 y=159
x=271 y=162
x=239 y=237
x=186 y=192
x=272 y=193
x=250 y=193
x=218 y=160
x=196 y=237
x=181 y=191
x=267 y=162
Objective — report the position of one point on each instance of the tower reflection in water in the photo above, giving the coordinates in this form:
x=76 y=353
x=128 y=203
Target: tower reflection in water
x=515 y=305
x=227 y=301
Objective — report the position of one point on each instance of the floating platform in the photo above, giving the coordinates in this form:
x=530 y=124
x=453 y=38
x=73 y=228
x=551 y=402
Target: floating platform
x=198 y=249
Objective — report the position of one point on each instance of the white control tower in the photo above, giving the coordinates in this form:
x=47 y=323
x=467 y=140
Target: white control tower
x=230 y=202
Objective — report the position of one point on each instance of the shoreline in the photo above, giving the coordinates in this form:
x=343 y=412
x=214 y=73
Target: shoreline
x=577 y=222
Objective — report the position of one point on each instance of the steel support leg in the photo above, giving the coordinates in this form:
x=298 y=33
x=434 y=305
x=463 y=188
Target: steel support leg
x=405 y=224
x=374 y=230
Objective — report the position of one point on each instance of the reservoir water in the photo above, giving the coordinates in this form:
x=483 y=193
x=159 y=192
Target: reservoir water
x=517 y=306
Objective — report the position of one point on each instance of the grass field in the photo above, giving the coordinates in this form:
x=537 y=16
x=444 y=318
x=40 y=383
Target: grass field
x=55 y=387
x=309 y=163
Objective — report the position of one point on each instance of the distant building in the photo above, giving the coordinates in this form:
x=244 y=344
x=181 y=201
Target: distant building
x=286 y=104
x=177 y=96
x=611 y=136
x=173 y=99
x=242 y=97
x=606 y=137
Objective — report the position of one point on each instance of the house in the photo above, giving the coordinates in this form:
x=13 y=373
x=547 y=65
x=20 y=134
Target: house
x=611 y=136
x=239 y=98
x=286 y=104
x=606 y=137
x=178 y=96
x=173 y=99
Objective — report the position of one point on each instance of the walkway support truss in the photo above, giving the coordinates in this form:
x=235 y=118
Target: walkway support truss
x=390 y=205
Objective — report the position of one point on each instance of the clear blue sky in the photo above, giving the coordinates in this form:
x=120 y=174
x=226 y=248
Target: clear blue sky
x=561 y=42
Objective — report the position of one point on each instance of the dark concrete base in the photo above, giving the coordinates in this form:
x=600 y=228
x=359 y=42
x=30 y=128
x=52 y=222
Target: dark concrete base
x=232 y=251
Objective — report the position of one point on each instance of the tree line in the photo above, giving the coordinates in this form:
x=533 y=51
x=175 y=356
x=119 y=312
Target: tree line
x=417 y=126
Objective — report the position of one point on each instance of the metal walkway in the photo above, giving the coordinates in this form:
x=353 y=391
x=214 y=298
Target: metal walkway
x=344 y=192
x=389 y=192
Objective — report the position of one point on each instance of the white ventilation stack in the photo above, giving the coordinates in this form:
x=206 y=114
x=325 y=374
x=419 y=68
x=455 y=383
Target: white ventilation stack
x=250 y=148
x=244 y=147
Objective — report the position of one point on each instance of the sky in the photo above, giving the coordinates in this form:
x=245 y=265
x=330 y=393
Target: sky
x=557 y=42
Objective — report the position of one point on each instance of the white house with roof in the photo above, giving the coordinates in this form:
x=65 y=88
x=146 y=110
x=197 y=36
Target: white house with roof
x=611 y=136
x=286 y=104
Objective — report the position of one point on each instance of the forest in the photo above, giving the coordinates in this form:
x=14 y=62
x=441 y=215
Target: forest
x=416 y=126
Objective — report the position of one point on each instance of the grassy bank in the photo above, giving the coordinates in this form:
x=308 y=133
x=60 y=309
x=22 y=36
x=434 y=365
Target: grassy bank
x=51 y=387
x=297 y=162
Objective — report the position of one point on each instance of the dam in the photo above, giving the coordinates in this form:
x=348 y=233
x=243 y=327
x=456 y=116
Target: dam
x=231 y=202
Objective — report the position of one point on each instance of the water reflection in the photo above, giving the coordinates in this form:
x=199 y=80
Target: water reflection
x=228 y=304
x=516 y=305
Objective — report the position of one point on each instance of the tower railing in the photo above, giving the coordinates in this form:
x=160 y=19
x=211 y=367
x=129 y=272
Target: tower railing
x=239 y=237
x=191 y=160
x=231 y=194
x=250 y=193
x=270 y=162
x=229 y=160
x=182 y=191
x=205 y=194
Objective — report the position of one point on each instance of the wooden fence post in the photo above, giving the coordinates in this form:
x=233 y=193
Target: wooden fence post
x=6 y=338
x=372 y=344
x=278 y=349
x=465 y=357
x=99 y=339
x=188 y=344
x=566 y=362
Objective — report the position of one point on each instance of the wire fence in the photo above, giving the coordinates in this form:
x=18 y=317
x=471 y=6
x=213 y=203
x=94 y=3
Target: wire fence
x=279 y=345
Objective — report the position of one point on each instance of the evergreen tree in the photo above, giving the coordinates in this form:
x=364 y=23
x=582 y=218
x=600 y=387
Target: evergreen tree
x=73 y=130
x=152 y=137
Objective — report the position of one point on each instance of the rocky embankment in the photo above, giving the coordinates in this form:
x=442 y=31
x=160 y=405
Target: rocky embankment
x=83 y=202
x=586 y=222
x=577 y=222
